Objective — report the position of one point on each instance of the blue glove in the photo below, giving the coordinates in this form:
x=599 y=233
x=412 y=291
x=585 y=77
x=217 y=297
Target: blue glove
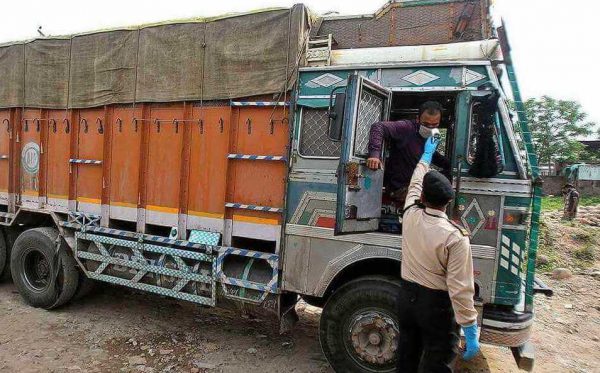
x=472 y=348
x=430 y=146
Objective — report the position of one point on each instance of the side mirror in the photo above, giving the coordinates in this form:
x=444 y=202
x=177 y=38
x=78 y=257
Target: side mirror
x=336 y=116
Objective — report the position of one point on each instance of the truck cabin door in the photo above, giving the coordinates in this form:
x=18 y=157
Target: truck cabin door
x=359 y=188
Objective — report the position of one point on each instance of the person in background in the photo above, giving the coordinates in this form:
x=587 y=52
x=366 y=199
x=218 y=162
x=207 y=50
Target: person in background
x=437 y=285
x=406 y=138
x=571 y=199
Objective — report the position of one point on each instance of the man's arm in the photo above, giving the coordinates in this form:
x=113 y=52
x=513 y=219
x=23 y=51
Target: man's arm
x=416 y=184
x=459 y=279
x=381 y=131
x=416 y=181
x=441 y=161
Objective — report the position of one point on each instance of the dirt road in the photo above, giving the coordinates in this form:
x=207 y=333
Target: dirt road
x=116 y=330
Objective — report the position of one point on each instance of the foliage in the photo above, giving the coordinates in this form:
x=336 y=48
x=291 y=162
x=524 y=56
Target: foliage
x=556 y=202
x=555 y=126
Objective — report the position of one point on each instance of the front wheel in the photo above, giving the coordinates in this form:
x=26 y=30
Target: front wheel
x=359 y=327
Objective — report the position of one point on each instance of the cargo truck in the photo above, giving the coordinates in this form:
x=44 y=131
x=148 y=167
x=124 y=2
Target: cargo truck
x=221 y=161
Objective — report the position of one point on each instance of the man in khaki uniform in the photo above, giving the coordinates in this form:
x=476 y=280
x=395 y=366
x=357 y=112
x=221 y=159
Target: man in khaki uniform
x=437 y=276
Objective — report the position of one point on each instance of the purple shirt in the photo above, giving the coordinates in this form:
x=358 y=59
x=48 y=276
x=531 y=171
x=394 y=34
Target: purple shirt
x=406 y=149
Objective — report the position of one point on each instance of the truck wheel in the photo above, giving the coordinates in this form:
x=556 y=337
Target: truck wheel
x=3 y=255
x=32 y=261
x=359 y=326
x=85 y=287
x=10 y=236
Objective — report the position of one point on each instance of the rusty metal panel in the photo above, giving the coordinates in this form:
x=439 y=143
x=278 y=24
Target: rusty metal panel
x=90 y=147
x=56 y=161
x=164 y=164
x=260 y=131
x=5 y=128
x=30 y=156
x=208 y=166
x=125 y=159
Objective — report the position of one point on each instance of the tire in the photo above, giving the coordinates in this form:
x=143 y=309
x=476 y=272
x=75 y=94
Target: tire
x=85 y=287
x=32 y=260
x=366 y=309
x=10 y=236
x=3 y=255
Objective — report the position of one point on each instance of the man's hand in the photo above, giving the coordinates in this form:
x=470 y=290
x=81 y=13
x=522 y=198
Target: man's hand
x=472 y=341
x=374 y=163
x=430 y=146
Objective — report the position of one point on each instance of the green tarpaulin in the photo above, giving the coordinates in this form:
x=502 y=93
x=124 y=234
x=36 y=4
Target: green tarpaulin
x=205 y=59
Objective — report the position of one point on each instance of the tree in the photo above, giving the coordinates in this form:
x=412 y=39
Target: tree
x=555 y=127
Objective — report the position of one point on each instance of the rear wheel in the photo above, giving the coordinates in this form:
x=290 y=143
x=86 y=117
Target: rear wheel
x=3 y=255
x=33 y=265
x=85 y=287
x=359 y=326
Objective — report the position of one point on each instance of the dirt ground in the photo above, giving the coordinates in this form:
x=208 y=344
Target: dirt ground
x=117 y=330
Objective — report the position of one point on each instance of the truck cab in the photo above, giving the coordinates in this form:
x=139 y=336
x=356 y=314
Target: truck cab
x=344 y=233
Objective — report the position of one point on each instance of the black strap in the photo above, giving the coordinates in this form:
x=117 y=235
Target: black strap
x=417 y=203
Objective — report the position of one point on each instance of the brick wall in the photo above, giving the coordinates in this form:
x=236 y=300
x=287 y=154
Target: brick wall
x=586 y=188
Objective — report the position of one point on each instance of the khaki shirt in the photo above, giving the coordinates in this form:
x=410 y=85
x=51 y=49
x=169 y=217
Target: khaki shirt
x=435 y=253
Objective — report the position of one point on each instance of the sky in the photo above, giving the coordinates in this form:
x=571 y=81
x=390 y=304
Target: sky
x=554 y=51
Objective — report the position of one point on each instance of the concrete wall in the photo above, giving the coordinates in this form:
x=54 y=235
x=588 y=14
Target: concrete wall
x=554 y=184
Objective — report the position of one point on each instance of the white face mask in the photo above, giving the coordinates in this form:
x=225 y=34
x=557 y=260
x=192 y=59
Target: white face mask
x=427 y=132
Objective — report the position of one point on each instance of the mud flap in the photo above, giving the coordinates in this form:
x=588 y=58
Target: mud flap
x=287 y=312
x=524 y=356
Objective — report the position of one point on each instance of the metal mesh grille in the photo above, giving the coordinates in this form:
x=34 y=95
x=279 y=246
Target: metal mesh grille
x=314 y=141
x=370 y=110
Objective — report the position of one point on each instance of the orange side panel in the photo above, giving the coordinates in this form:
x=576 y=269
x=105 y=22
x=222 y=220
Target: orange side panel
x=260 y=182
x=125 y=157
x=90 y=146
x=57 y=155
x=4 y=150
x=164 y=159
x=208 y=168
x=30 y=154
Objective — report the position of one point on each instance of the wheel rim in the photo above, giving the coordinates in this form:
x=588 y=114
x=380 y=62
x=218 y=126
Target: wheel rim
x=372 y=340
x=36 y=270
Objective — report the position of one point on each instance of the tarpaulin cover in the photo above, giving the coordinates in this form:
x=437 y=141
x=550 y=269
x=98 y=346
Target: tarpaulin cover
x=47 y=73
x=103 y=68
x=204 y=59
x=11 y=75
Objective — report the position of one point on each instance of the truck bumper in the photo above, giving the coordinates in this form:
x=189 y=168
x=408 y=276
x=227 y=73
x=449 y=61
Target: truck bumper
x=506 y=328
x=510 y=329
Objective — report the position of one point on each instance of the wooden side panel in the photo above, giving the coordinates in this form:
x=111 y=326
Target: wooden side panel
x=259 y=182
x=125 y=160
x=90 y=146
x=57 y=159
x=5 y=125
x=208 y=166
x=164 y=165
x=30 y=157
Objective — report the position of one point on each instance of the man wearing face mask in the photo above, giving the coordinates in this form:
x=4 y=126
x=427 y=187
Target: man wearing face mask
x=406 y=139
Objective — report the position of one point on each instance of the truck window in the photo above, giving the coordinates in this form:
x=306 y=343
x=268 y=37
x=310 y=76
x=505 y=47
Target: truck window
x=474 y=134
x=314 y=142
x=372 y=109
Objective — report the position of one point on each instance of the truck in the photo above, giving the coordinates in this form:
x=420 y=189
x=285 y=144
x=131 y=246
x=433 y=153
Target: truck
x=221 y=161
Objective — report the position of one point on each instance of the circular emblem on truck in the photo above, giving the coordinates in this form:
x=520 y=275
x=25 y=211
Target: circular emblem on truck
x=30 y=157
